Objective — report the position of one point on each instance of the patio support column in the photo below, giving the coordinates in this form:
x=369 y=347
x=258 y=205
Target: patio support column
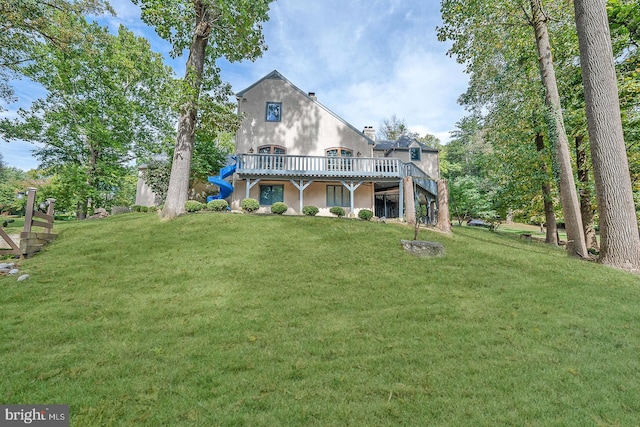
x=301 y=187
x=411 y=200
x=351 y=187
x=401 y=199
x=250 y=185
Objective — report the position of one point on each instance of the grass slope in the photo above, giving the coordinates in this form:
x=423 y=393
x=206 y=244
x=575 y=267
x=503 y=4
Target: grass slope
x=229 y=320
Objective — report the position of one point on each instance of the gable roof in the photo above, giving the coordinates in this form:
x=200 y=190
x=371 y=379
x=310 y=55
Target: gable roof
x=402 y=143
x=276 y=75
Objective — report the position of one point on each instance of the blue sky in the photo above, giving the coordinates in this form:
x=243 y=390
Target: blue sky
x=365 y=60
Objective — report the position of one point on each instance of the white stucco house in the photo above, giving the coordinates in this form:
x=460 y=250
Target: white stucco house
x=291 y=148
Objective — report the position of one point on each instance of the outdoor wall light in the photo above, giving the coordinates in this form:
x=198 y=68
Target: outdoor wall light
x=251 y=150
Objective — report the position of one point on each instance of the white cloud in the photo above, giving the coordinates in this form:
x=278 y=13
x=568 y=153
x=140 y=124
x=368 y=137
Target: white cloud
x=366 y=60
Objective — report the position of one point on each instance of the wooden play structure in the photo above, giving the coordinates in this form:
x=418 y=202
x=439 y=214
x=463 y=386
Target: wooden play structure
x=31 y=241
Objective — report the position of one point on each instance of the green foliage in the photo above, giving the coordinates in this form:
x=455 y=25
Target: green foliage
x=218 y=205
x=156 y=175
x=279 y=208
x=250 y=205
x=365 y=214
x=27 y=25
x=193 y=206
x=211 y=148
x=107 y=99
x=12 y=181
x=468 y=199
x=310 y=210
x=337 y=211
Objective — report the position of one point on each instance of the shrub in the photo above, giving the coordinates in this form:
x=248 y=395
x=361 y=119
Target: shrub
x=310 y=210
x=337 y=211
x=218 y=205
x=153 y=208
x=279 y=208
x=144 y=208
x=136 y=208
x=250 y=205
x=193 y=206
x=365 y=214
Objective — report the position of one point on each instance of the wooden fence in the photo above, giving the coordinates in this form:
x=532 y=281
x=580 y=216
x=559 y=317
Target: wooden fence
x=31 y=241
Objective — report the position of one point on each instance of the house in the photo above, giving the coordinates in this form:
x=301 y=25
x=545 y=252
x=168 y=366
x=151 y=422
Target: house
x=291 y=148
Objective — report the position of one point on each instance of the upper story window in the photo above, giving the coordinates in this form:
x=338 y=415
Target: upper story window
x=271 y=162
x=271 y=149
x=339 y=164
x=415 y=153
x=273 y=112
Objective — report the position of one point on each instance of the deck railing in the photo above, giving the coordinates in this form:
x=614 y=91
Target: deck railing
x=323 y=166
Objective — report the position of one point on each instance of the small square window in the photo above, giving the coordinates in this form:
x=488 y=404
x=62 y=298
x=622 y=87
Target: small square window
x=274 y=111
x=415 y=153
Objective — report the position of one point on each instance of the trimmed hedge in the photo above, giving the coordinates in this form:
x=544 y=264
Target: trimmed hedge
x=337 y=211
x=193 y=206
x=310 y=210
x=279 y=208
x=218 y=205
x=365 y=214
x=250 y=205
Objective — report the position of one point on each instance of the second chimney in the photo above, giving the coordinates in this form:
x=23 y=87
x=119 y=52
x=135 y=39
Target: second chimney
x=369 y=132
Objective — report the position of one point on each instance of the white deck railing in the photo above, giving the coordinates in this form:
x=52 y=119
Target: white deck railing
x=318 y=166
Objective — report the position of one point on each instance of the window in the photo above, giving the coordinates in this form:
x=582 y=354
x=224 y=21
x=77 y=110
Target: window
x=265 y=162
x=271 y=149
x=415 y=153
x=269 y=194
x=339 y=164
x=274 y=111
x=338 y=195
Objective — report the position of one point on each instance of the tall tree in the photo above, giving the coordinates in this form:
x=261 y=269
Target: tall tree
x=499 y=58
x=209 y=30
x=620 y=242
x=570 y=206
x=106 y=102
x=392 y=128
x=26 y=24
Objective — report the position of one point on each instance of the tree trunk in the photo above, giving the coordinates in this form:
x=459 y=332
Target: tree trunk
x=181 y=167
x=586 y=208
x=549 y=212
x=619 y=240
x=568 y=194
x=444 y=222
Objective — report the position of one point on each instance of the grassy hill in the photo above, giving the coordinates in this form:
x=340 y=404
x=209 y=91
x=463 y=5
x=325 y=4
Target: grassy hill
x=221 y=319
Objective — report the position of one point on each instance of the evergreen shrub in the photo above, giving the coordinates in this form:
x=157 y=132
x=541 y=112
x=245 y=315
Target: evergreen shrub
x=337 y=211
x=218 y=205
x=279 y=208
x=193 y=206
x=365 y=214
x=250 y=205
x=310 y=210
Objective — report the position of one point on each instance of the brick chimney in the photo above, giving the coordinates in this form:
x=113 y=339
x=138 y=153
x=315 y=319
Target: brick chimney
x=369 y=132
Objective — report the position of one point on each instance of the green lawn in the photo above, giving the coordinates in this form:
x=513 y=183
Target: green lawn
x=248 y=320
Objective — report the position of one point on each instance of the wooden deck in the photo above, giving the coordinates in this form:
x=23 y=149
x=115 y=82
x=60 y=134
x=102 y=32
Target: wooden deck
x=291 y=166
